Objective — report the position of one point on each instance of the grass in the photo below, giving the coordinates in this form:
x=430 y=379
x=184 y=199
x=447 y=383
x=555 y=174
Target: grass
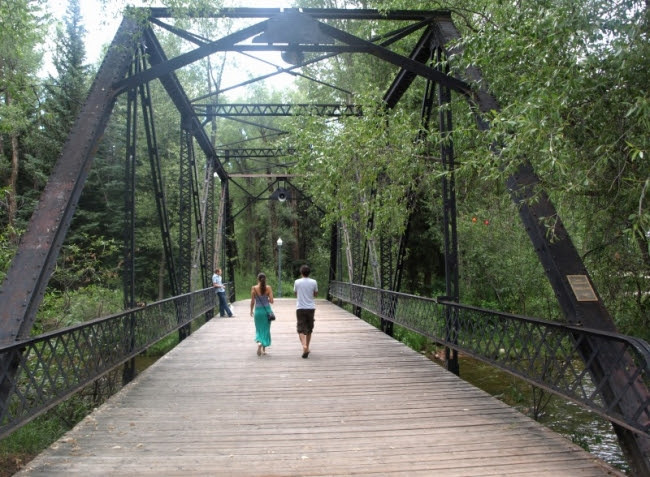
x=28 y=441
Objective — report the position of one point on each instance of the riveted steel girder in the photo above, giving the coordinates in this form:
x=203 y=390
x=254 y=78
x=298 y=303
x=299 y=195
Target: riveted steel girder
x=561 y=262
x=28 y=275
x=186 y=186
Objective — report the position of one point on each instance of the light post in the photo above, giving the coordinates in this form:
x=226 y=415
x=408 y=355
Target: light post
x=279 y=242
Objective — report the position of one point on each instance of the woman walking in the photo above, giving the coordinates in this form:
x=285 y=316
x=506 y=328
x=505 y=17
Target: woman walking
x=261 y=299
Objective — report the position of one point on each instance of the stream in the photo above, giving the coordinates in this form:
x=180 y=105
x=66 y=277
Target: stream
x=589 y=431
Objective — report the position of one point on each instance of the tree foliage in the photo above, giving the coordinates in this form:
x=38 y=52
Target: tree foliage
x=20 y=33
x=65 y=92
x=571 y=80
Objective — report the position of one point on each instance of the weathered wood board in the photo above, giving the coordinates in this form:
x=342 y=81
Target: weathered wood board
x=361 y=404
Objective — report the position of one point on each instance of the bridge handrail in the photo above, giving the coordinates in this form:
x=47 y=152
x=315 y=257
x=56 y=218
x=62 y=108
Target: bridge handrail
x=549 y=355
x=40 y=372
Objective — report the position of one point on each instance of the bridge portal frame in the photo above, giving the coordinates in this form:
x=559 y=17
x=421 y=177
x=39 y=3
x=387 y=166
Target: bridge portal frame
x=27 y=278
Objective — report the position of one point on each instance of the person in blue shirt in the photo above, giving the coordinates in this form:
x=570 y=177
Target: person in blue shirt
x=305 y=289
x=217 y=282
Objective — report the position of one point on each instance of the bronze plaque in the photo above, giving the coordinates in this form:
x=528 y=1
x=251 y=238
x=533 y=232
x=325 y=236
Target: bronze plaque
x=582 y=288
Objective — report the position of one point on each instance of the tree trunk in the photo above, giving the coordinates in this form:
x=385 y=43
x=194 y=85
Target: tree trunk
x=348 y=252
x=299 y=246
x=161 y=277
x=13 y=180
x=644 y=248
x=11 y=213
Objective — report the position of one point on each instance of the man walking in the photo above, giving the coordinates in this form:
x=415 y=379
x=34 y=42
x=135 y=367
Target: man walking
x=305 y=289
x=217 y=282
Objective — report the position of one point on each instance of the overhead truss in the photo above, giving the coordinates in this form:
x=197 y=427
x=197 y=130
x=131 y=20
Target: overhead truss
x=229 y=110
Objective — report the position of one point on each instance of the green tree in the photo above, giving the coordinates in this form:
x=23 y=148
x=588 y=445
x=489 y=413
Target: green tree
x=67 y=90
x=21 y=30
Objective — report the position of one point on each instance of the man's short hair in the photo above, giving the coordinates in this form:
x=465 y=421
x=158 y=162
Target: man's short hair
x=305 y=270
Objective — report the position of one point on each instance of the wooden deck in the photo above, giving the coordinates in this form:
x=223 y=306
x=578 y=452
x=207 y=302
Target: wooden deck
x=361 y=404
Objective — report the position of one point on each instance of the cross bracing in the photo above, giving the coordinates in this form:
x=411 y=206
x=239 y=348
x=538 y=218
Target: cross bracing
x=327 y=110
x=254 y=152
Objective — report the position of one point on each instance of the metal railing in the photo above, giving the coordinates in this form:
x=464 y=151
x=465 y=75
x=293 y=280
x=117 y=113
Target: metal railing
x=41 y=372
x=553 y=356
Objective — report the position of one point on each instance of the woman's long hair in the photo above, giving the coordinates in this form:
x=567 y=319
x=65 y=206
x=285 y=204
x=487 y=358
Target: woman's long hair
x=262 y=279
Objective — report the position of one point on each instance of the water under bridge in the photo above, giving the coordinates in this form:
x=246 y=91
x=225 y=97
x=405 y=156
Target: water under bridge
x=298 y=415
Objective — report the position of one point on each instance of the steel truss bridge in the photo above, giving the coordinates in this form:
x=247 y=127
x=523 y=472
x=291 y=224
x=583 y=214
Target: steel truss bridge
x=583 y=359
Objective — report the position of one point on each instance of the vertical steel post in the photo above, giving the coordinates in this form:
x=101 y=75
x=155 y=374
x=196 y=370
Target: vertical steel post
x=449 y=214
x=128 y=279
x=129 y=196
x=387 y=300
x=157 y=184
x=209 y=226
x=357 y=253
x=185 y=187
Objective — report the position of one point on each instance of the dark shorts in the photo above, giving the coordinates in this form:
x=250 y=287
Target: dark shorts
x=305 y=321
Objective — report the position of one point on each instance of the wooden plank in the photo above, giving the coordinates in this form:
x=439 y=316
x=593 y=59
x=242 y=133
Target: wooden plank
x=361 y=404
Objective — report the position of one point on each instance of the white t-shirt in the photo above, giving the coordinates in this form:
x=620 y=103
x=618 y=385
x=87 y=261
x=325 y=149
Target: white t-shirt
x=304 y=288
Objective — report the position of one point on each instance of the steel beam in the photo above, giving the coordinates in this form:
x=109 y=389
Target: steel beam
x=396 y=59
x=167 y=67
x=354 y=44
x=185 y=186
x=277 y=109
x=157 y=183
x=209 y=224
x=573 y=287
x=258 y=152
x=230 y=243
x=129 y=196
x=177 y=94
x=421 y=53
x=30 y=270
x=323 y=13
x=128 y=274
x=449 y=216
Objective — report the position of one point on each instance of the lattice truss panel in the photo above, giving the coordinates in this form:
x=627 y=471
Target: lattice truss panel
x=39 y=373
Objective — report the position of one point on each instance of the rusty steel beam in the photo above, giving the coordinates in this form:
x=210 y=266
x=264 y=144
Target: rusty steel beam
x=451 y=82
x=175 y=90
x=575 y=291
x=422 y=54
x=30 y=270
x=167 y=67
